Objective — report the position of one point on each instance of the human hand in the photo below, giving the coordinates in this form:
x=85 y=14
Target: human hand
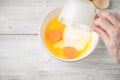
x=107 y=25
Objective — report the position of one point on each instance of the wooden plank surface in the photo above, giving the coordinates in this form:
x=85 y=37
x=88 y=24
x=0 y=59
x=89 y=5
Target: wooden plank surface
x=24 y=16
x=23 y=58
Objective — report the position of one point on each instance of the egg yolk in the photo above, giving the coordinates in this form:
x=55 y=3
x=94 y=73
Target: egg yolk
x=54 y=33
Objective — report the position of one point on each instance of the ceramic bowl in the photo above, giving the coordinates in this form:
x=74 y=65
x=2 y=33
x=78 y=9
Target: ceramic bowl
x=51 y=14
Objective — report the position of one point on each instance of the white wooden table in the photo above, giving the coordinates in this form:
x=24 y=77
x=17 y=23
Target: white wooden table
x=23 y=58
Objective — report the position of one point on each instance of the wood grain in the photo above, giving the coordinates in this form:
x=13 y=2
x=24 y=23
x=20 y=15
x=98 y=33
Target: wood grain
x=24 y=16
x=22 y=56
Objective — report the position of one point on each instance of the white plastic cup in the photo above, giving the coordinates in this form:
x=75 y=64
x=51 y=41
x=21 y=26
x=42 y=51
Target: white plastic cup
x=78 y=13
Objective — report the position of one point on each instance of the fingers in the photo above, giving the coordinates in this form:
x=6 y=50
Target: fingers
x=103 y=34
x=105 y=25
x=111 y=17
x=106 y=39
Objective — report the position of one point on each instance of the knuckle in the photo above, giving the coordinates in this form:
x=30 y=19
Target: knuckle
x=115 y=33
